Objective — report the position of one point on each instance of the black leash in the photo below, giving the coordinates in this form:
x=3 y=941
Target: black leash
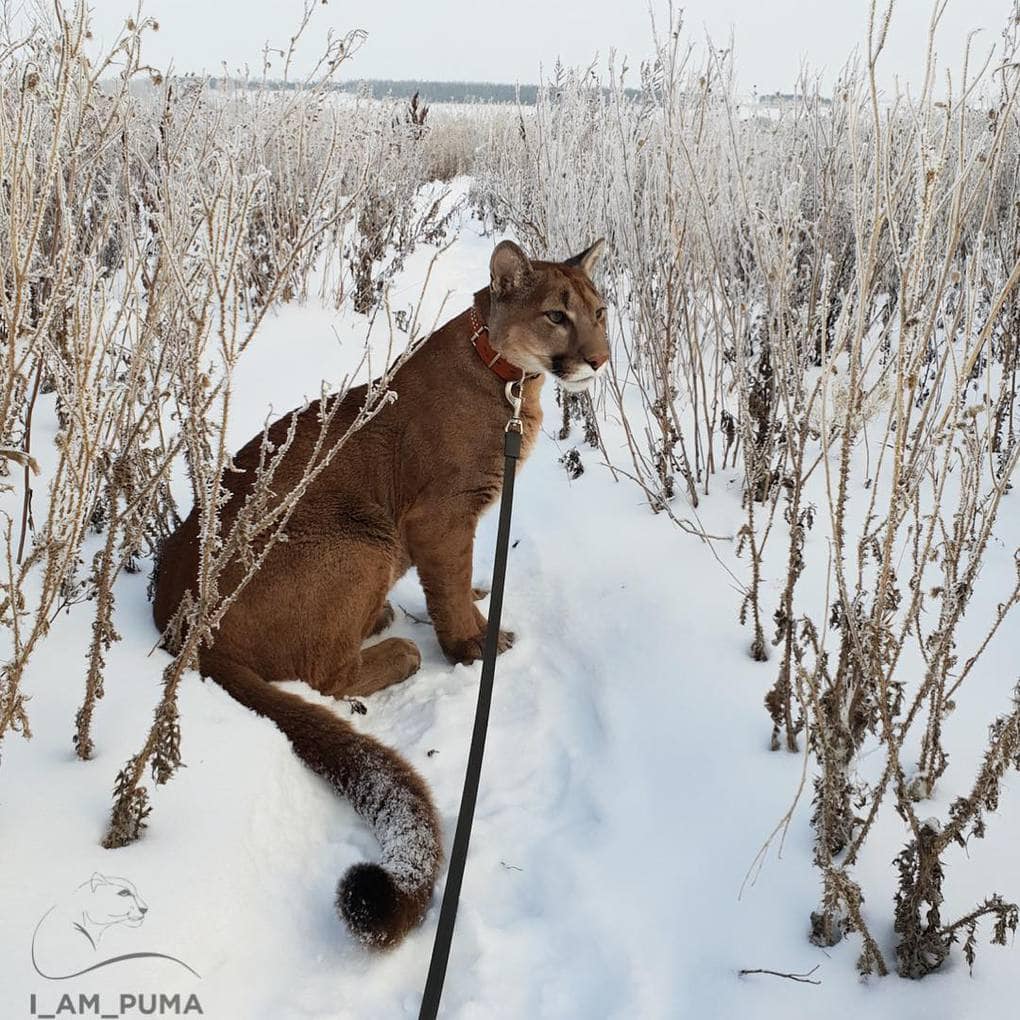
x=462 y=837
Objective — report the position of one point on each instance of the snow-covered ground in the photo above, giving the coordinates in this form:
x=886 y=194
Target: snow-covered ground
x=627 y=787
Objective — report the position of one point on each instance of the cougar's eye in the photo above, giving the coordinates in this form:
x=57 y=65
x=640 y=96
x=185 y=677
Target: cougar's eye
x=556 y=317
x=124 y=892
x=600 y=314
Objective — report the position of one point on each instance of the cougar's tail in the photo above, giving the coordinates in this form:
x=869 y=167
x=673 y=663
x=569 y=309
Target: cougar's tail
x=379 y=902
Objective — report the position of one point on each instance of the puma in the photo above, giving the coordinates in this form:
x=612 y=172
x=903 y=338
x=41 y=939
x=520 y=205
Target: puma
x=406 y=490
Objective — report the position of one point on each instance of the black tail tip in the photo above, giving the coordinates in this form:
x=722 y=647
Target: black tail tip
x=376 y=911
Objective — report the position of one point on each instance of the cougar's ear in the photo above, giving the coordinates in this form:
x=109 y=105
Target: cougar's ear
x=96 y=881
x=587 y=259
x=509 y=269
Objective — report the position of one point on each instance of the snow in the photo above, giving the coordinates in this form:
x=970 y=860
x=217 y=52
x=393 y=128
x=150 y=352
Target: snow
x=627 y=786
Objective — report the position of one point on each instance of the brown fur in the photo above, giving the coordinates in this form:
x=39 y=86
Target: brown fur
x=407 y=489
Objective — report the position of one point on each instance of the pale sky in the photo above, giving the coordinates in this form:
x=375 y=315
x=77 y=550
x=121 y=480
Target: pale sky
x=511 y=40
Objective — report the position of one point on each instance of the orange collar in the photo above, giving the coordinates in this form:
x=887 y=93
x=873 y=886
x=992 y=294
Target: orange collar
x=506 y=370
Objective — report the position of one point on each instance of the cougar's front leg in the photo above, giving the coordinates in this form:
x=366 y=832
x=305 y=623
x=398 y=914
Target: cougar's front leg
x=443 y=552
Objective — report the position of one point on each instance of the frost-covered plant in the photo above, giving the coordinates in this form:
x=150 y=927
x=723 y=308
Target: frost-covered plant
x=393 y=213
x=822 y=295
x=153 y=223
x=66 y=161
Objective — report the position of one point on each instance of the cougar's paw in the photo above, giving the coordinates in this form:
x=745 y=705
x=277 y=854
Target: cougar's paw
x=391 y=661
x=506 y=640
x=473 y=649
x=383 y=620
x=404 y=655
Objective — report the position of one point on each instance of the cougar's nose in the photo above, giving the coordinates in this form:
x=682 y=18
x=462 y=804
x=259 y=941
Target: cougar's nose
x=597 y=360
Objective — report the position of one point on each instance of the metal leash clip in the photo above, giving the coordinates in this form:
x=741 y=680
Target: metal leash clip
x=516 y=399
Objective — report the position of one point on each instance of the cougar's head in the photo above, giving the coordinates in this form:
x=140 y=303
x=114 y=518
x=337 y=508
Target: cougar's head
x=105 y=901
x=547 y=316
